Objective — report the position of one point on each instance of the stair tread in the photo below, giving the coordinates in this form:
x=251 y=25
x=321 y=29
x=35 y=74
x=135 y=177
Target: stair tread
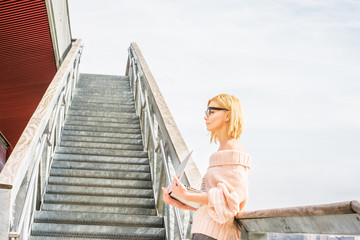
x=100 y=200
x=97 y=209
x=124 y=178
x=97 y=218
x=93 y=230
x=101 y=152
x=99 y=140
x=97 y=145
x=100 y=182
x=102 y=114
x=106 y=124
x=134 y=129
x=102 y=134
x=102 y=119
x=104 y=191
x=104 y=159
x=101 y=166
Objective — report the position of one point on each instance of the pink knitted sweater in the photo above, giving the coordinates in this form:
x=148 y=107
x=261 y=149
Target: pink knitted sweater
x=226 y=182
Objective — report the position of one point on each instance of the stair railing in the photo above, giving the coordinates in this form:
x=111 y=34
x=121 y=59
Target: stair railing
x=24 y=177
x=163 y=141
x=327 y=219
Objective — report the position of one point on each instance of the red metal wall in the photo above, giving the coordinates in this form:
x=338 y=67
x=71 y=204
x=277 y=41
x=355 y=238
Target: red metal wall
x=27 y=63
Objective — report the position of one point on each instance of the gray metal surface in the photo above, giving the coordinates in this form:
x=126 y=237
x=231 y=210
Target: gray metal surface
x=100 y=183
x=339 y=224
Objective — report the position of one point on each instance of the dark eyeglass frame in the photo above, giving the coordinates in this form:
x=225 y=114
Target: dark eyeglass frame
x=208 y=110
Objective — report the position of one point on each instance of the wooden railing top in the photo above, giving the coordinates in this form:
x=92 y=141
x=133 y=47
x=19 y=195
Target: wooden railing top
x=14 y=170
x=191 y=172
x=313 y=210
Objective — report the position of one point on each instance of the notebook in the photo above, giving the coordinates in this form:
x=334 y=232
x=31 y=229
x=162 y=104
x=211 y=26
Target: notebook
x=180 y=171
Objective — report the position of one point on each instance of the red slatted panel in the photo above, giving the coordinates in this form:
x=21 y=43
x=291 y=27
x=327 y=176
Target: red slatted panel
x=27 y=62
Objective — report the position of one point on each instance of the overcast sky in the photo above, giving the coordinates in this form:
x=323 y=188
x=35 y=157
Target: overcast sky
x=294 y=65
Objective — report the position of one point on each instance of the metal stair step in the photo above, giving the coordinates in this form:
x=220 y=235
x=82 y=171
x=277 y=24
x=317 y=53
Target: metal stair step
x=98 y=209
x=100 y=200
x=126 y=182
x=134 y=120
x=114 y=146
x=103 y=106
x=102 y=152
x=113 y=232
x=102 y=124
x=104 y=99
x=102 y=134
x=101 y=166
x=125 y=94
x=83 y=102
x=97 y=219
x=102 y=129
x=103 y=159
x=90 y=178
x=95 y=191
x=93 y=238
x=103 y=114
x=85 y=107
x=103 y=84
x=87 y=77
x=100 y=140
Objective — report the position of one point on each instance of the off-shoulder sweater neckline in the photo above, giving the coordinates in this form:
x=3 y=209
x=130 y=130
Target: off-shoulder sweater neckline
x=230 y=157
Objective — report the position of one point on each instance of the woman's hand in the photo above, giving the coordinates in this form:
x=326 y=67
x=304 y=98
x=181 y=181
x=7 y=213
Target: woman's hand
x=179 y=189
x=173 y=202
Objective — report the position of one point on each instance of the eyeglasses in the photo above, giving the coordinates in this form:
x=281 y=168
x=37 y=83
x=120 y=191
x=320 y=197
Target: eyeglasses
x=208 y=110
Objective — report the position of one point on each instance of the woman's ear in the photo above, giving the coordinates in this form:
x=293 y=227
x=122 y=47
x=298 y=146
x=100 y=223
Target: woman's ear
x=227 y=116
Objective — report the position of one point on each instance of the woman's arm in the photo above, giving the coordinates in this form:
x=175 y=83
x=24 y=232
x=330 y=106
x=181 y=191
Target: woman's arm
x=180 y=190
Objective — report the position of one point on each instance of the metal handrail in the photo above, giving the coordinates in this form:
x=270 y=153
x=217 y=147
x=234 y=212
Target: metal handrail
x=162 y=149
x=162 y=140
x=16 y=232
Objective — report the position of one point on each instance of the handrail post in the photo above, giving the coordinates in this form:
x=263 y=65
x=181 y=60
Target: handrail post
x=5 y=196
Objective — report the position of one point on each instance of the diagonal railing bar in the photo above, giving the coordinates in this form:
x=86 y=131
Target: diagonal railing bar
x=23 y=179
x=162 y=140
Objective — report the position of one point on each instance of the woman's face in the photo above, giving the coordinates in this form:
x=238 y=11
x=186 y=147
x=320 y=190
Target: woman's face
x=217 y=118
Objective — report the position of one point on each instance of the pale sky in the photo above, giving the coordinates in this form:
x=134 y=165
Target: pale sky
x=294 y=65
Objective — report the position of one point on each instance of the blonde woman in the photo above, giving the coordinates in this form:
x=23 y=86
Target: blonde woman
x=225 y=184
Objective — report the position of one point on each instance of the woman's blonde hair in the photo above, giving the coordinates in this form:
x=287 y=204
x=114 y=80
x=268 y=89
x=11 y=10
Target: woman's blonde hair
x=236 y=124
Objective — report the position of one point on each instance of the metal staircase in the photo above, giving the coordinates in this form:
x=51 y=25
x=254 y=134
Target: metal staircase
x=99 y=184
x=99 y=173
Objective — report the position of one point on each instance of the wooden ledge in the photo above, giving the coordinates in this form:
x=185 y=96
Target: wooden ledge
x=313 y=210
